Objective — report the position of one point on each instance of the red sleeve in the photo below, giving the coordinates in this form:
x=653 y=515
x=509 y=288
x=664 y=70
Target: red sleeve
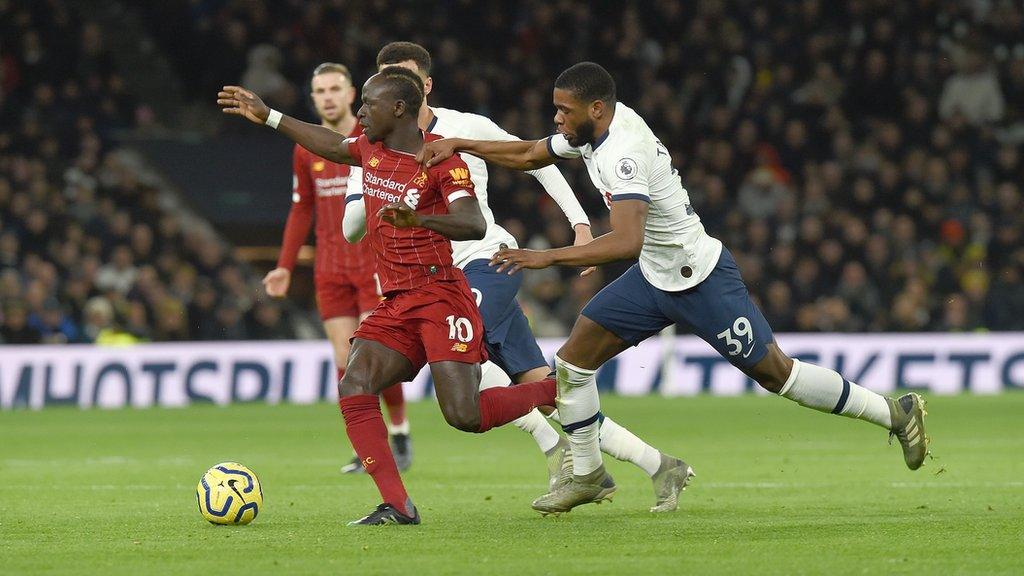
x=455 y=180
x=300 y=218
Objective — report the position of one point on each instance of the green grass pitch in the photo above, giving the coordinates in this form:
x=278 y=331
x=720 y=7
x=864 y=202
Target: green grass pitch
x=779 y=489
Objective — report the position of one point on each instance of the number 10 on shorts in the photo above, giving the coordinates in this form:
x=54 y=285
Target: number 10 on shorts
x=460 y=329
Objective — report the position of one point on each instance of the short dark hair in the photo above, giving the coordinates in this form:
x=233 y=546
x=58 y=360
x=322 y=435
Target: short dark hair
x=397 y=52
x=328 y=67
x=588 y=81
x=405 y=85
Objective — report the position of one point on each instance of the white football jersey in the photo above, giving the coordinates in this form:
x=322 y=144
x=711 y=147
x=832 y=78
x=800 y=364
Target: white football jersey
x=629 y=162
x=454 y=124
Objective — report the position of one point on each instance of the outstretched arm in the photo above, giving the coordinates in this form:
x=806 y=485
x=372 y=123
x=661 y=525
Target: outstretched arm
x=464 y=221
x=622 y=243
x=319 y=140
x=550 y=178
x=518 y=154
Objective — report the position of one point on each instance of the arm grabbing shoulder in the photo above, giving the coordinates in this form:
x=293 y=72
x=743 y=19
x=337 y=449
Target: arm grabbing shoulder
x=516 y=154
x=548 y=176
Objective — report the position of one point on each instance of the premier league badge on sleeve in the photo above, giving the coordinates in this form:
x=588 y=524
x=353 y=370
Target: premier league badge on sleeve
x=625 y=169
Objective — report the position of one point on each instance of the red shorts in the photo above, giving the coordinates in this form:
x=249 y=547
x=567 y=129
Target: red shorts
x=432 y=323
x=347 y=294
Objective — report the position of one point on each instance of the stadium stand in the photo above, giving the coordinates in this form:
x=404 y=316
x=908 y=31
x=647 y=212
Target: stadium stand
x=92 y=247
x=864 y=167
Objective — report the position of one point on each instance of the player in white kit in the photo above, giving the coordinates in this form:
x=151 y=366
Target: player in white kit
x=512 y=349
x=684 y=277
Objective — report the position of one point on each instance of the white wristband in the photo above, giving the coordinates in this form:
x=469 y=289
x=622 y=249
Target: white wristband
x=273 y=119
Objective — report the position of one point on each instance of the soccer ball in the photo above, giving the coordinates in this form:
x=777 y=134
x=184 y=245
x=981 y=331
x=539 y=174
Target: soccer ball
x=229 y=493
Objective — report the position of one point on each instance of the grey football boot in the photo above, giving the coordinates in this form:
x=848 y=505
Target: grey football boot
x=401 y=448
x=559 y=464
x=907 y=413
x=669 y=482
x=591 y=488
x=354 y=466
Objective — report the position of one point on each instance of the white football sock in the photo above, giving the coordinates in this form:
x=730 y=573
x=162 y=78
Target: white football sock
x=492 y=377
x=578 y=409
x=826 y=391
x=533 y=423
x=622 y=444
x=537 y=425
x=402 y=428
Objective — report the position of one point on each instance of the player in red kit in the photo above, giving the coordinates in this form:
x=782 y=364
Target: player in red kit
x=346 y=285
x=429 y=315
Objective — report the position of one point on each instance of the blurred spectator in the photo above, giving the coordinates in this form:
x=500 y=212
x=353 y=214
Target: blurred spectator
x=88 y=253
x=760 y=196
x=264 y=323
x=15 y=329
x=53 y=325
x=229 y=322
x=119 y=274
x=263 y=76
x=862 y=159
x=974 y=89
x=99 y=316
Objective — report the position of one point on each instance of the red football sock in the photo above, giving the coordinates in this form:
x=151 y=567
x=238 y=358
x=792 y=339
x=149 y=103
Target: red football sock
x=365 y=427
x=499 y=406
x=394 y=399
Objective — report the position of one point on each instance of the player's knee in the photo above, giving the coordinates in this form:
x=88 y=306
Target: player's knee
x=770 y=383
x=354 y=382
x=463 y=419
x=773 y=370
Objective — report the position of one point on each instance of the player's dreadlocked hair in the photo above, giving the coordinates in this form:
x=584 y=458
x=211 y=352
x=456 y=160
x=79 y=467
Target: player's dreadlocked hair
x=405 y=85
x=397 y=52
x=588 y=81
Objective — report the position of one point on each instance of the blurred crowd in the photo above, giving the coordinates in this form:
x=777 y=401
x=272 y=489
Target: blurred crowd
x=862 y=159
x=91 y=248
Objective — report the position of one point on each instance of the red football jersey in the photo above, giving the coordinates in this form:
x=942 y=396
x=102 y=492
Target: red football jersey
x=318 y=190
x=409 y=257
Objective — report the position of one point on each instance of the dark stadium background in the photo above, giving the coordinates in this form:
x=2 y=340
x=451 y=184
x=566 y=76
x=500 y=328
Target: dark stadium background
x=862 y=159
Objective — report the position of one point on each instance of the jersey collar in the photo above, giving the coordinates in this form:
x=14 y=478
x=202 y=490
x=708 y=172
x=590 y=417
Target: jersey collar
x=603 y=137
x=614 y=119
x=433 y=121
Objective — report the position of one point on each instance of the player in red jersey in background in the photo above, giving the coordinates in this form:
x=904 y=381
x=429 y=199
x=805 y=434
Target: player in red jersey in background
x=429 y=315
x=346 y=284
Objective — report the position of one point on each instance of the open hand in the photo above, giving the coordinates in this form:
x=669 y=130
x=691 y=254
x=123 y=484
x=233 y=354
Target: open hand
x=241 y=102
x=435 y=152
x=515 y=259
x=399 y=215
